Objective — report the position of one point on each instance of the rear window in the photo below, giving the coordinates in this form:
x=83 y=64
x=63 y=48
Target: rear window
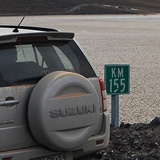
x=27 y=63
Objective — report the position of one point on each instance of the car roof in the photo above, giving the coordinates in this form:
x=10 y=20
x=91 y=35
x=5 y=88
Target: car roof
x=11 y=29
x=8 y=31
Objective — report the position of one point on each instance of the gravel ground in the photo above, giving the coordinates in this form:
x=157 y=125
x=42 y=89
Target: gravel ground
x=119 y=39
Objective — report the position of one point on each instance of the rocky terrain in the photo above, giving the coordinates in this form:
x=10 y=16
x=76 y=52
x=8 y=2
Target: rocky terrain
x=61 y=7
x=132 y=142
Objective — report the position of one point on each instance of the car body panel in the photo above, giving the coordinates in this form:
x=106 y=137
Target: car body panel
x=16 y=135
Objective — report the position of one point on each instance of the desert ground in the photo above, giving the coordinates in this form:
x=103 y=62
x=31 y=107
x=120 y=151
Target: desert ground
x=117 y=39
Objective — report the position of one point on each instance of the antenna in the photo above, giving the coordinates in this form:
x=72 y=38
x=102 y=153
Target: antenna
x=16 y=29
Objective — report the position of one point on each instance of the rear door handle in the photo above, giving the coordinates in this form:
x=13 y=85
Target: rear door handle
x=9 y=102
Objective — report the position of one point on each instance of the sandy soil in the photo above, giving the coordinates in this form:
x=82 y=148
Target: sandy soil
x=118 y=39
x=128 y=40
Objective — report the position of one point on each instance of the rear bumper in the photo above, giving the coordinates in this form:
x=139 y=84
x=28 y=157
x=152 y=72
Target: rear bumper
x=32 y=153
x=91 y=145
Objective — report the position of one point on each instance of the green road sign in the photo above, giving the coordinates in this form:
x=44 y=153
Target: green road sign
x=117 y=79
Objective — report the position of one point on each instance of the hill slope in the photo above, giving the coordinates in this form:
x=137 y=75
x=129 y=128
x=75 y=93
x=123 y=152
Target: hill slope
x=58 y=7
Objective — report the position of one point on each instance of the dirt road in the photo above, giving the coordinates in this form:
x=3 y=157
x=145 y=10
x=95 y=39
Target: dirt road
x=118 y=39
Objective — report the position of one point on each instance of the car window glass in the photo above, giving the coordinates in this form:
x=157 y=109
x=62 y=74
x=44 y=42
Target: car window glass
x=27 y=53
x=66 y=62
x=27 y=63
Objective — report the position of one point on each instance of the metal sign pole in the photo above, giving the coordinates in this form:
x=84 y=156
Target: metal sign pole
x=117 y=80
x=115 y=110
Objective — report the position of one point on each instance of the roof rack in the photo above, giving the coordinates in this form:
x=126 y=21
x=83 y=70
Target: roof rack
x=28 y=27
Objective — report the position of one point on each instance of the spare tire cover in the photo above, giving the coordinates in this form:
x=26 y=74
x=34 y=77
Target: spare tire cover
x=63 y=110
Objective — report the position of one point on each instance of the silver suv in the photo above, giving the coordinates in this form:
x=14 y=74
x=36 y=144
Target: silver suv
x=52 y=103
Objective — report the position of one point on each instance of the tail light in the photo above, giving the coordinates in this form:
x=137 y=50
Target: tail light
x=32 y=39
x=7 y=158
x=104 y=95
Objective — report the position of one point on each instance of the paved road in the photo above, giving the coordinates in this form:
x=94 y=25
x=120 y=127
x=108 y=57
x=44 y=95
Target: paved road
x=110 y=39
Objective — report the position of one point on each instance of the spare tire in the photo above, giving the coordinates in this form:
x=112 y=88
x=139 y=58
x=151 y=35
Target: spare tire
x=63 y=110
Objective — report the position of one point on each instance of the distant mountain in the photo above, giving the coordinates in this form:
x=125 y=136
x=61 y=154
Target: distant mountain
x=58 y=7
